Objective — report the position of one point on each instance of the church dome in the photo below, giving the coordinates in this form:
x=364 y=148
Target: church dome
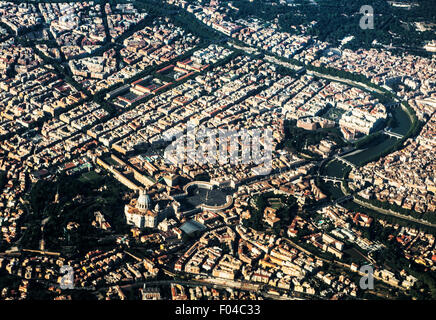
x=143 y=202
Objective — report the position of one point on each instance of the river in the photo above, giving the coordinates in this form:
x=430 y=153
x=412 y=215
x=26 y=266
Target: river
x=336 y=168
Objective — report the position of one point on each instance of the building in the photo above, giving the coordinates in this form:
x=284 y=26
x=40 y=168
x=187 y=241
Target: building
x=138 y=212
x=150 y=293
x=270 y=216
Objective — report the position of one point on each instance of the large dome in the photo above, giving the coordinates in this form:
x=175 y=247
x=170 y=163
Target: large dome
x=143 y=202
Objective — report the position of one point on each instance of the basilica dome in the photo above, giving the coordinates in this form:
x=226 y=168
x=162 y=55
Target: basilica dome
x=143 y=202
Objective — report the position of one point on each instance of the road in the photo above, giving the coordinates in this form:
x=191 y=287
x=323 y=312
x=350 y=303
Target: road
x=394 y=214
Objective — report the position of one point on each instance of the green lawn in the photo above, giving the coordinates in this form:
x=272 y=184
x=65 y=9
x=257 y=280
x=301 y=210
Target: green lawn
x=90 y=176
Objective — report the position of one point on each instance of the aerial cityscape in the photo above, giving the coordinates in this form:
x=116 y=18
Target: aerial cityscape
x=218 y=150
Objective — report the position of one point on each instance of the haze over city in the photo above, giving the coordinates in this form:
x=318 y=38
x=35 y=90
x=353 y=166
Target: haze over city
x=217 y=150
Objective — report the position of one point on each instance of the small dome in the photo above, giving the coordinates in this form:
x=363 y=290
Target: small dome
x=143 y=202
